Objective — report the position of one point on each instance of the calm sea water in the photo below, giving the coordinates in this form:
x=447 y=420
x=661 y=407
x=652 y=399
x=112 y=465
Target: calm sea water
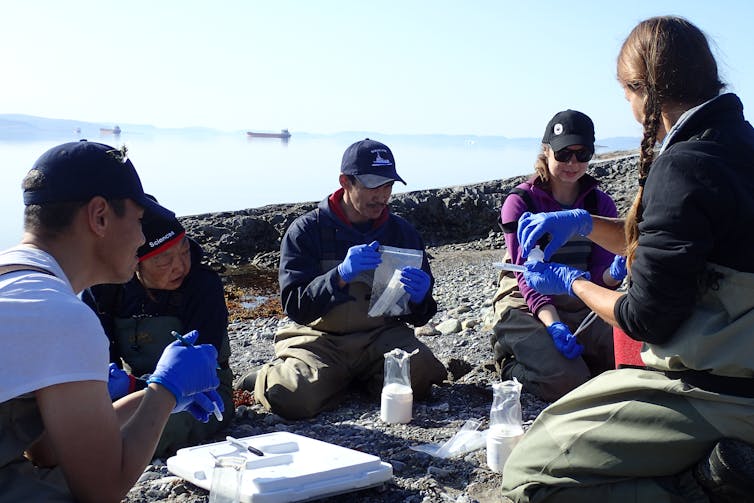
x=193 y=174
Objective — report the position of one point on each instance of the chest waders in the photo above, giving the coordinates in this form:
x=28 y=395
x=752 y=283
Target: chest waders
x=523 y=348
x=141 y=341
x=20 y=426
x=315 y=364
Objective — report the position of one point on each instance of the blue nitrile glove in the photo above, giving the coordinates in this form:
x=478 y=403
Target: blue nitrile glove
x=186 y=370
x=551 y=278
x=359 y=258
x=416 y=283
x=564 y=340
x=618 y=268
x=118 y=382
x=202 y=405
x=560 y=225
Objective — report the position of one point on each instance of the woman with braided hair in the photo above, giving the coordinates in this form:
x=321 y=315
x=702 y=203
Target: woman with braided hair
x=682 y=428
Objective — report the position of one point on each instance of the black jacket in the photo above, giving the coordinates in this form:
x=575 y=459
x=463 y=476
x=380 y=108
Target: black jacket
x=199 y=303
x=698 y=208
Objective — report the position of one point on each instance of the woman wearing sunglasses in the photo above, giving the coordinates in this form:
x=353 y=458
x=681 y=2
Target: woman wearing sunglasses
x=533 y=337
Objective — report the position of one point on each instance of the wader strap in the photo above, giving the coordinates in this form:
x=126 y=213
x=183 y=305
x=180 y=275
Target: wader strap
x=725 y=385
x=6 y=269
x=590 y=205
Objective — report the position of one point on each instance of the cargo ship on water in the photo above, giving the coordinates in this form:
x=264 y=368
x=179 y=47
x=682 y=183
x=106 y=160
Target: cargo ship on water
x=113 y=131
x=282 y=134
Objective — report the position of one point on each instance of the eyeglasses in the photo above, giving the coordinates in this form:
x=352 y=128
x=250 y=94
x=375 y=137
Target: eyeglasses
x=564 y=154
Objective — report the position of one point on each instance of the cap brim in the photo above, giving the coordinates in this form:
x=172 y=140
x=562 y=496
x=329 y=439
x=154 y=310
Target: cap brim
x=374 y=181
x=560 y=142
x=152 y=207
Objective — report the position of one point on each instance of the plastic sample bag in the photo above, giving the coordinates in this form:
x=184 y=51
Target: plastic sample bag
x=388 y=296
x=469 y=438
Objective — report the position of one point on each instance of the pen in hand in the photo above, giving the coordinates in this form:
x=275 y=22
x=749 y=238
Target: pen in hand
x=179 y=337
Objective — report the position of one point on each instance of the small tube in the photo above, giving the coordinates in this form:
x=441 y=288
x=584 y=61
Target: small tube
x=216 y=412
x=509 y=267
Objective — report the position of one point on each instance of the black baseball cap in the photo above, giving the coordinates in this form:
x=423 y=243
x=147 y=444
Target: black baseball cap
x=78 y=171
x=569 y=127
x=371 y=162
x=162 y=231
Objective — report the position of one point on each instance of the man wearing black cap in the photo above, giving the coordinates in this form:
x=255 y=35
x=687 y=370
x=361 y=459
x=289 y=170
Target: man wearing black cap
x=327 y=263
x=62 y=437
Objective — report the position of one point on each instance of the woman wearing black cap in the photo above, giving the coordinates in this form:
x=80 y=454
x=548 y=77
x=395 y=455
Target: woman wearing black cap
x=533 y=337
x=171 y=291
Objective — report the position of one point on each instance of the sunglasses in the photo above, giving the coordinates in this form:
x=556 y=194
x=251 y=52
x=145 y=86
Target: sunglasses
x=564 y=154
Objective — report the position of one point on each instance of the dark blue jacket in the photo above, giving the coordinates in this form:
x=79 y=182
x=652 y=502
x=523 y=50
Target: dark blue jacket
x=307 y=291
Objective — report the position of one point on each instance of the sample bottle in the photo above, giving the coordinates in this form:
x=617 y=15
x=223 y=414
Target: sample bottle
x=397 y=398
x=506 y=425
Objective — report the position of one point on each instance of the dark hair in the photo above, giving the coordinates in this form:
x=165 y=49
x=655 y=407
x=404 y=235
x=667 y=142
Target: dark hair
x=51 y=219
x=667 y=60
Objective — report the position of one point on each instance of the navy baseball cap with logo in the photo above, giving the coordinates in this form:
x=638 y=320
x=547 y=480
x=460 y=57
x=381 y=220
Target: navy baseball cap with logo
x=78 y=171
x=371 y=162
x=567 y=128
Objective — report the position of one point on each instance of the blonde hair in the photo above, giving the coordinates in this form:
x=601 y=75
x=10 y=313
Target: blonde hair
x=541 y=166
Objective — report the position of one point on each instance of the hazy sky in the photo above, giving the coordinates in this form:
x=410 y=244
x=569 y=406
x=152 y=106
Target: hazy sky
x=493 y=67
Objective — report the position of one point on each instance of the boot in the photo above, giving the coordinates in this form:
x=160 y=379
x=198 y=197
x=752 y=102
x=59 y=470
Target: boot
x=247 y=381
x=727 y=473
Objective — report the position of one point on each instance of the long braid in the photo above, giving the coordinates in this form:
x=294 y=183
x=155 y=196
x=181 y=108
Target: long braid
x=652 y=117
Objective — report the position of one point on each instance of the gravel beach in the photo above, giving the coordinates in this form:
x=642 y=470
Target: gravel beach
x=459 y=336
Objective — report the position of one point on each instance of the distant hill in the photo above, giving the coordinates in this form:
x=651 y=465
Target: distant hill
x=28 y=127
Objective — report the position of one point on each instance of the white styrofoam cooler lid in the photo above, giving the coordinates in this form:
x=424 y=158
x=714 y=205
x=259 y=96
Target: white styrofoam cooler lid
x=293 y=468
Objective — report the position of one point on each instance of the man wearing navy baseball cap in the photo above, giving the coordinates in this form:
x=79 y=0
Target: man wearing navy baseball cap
x=327 y=262
x=371 y=163
x=63 y=438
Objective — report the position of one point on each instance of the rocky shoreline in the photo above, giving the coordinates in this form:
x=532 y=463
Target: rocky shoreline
x=459 y=225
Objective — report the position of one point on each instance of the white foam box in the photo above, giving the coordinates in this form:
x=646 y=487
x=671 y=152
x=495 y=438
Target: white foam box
x=293 y=468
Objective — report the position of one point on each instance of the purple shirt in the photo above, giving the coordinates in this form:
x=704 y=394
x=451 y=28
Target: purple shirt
x=514 y=206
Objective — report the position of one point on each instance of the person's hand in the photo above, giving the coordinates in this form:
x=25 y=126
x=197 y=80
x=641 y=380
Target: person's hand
x=359 y=258
x=186 y=370
x=202 y=405
x=551 y=278
x=416 y=283
x=118 y=382
x=564 y=340
x=560 y=225
x=618 y=268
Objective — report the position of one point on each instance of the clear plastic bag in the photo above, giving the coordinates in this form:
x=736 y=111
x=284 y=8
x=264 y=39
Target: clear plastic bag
x=469 y=438
x=388 y=296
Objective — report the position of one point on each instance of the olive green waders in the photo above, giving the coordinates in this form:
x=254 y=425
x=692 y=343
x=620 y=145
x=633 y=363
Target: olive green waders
x=315 y=365
x=523 y=348
x=21 y=425
x=630 y=435
x=141 y=341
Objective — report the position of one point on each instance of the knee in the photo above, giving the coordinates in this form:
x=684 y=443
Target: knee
x=292 y=404
x=425 y=373
x=554 y=386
